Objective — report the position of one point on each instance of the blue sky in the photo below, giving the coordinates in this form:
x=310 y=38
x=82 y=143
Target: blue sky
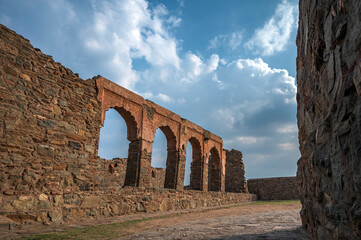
x=228 y=66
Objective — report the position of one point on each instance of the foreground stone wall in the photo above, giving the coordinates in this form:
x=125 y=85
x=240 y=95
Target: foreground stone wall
x=329 y=117
x=280 y=188
x=95 y=204
x=235 y=173
x=49 y=123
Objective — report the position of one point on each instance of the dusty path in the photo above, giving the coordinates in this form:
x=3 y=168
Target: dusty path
x=247 y=221
x=244 y=222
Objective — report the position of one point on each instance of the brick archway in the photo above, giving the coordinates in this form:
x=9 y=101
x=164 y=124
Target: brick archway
x=172 y=157
x=132 y=126
x=143 y=118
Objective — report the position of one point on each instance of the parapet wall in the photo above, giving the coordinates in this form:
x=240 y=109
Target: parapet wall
x=280 y=188
x=50 y=121
x=329 y=117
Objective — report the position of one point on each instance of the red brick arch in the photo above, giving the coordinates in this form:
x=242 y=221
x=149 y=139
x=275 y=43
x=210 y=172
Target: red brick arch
x=143 y=118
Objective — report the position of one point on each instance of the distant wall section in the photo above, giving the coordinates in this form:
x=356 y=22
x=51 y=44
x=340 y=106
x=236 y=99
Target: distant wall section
x=280 y=188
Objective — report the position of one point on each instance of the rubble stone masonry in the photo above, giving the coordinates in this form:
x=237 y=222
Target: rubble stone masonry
x=50 y=121
x=235 y=173
x=278 y=188
x=329 y=117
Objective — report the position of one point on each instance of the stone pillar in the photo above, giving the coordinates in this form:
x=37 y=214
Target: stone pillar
x=223 y=171
x=205 y=173
x=171 y=171
x=145 y=168
x=181 y=170
x=235 y=180
x=133 y=163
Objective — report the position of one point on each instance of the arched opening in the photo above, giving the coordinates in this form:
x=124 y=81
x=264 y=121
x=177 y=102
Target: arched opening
x=160 y=159
x=113 y=141
x=193 y=166
x=214 y=171
x=118 y=139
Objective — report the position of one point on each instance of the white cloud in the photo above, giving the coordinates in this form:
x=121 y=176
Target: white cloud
x=250 y=140
x=164 y=98
x=287 y=146
x=232 y=40
x=275 y=34
x=288 y=128
x=212 y=63
x=194 y=68
x=174 y=21
x=129 y=29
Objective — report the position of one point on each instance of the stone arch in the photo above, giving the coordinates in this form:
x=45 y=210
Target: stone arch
x=196 y=165
x=132 y=126
x=214 y=170
x=172 y=157
x=134 y=149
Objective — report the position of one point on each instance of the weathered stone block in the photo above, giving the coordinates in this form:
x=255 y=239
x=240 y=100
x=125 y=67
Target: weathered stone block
x=91 y=202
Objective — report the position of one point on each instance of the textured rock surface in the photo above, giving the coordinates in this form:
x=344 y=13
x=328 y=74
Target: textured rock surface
x=235 y=173
x=329 y=117
x=281 y=188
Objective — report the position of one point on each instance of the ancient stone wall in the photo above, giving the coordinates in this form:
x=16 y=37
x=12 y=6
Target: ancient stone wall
x=71 y=206
x=117 y=167
x=50 y=121
x=235 y=173
x=329 y=117
x=278 y=188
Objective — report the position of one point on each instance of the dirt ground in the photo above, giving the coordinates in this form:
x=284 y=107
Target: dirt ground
x=244 y=222
x=247 y=221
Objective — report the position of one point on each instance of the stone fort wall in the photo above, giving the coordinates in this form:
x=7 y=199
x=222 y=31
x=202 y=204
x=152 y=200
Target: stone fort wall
x=329 y=117
x=49 y=126
x=278 y=188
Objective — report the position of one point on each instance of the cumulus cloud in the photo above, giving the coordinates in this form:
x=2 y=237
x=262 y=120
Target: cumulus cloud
x=245 y=102
x=127 y=30
x=275 y=34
